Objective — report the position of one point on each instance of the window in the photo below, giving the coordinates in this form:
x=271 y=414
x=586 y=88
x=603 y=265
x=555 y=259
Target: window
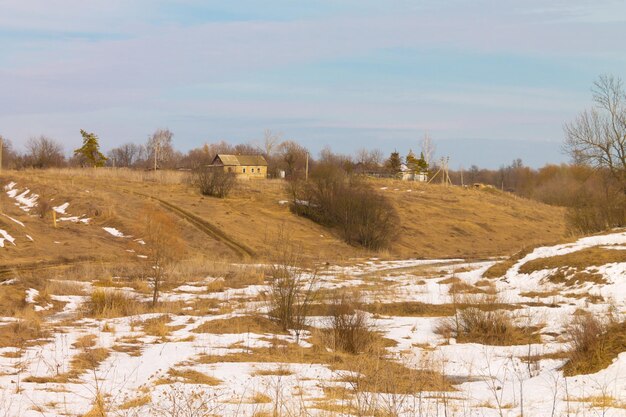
x=244 y=170
x=253 y=170
x=230 y=169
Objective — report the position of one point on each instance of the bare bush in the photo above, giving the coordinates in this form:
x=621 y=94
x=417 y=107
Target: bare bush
x=594 y=342
x=476 y=322
x=214 y=182
x=292 y=289
x=361 y=215
x=43 y=207
x=163 y=244
x=350 y=329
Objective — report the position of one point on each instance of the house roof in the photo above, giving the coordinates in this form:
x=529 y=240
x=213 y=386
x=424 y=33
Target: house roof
x=245 y=160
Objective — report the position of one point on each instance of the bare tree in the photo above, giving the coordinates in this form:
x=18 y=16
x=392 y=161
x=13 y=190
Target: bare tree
x=163 y=244
x=160 y=146
x=126 y=155
x=270 y=141
x=598 y=136
x=428 y=148
x=43 y=152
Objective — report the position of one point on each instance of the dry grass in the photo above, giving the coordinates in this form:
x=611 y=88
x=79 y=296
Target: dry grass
x=594 y=343
x=488 y=326
x=569 y=277
x=579 y=260
x=372 y=365
x=26 y=331
x=158 y=326
x=189 y=376
x=240 y=324
x=461 y=222
x=105 y=303
x=273 y=372
x=136 y=402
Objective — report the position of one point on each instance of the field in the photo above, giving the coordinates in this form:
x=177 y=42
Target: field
x=483 y=306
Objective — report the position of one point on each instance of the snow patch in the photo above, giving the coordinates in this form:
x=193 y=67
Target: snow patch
x=113 y=231
x=61 y=209
x=7 y=237
x=15 y=220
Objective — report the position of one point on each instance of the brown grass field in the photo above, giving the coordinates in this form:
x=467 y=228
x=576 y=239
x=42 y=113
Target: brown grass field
x=436 y=221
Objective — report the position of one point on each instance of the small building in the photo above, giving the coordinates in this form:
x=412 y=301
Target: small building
x=245 y=166
x=408 y=174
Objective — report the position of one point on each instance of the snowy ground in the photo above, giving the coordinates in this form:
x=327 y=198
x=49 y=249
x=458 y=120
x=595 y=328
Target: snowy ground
x=491 y=380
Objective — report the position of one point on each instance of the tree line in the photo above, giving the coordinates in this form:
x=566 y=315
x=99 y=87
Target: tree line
x=593 y=185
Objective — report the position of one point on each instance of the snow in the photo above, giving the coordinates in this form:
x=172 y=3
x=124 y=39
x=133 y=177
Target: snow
x=484 y=375
x=27 y=203
x=61 y=209
x=113 y=231
x=14 y=220
x=6 y=237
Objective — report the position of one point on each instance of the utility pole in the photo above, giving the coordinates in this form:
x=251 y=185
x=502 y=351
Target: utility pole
x=1 y=147
x=306 y=169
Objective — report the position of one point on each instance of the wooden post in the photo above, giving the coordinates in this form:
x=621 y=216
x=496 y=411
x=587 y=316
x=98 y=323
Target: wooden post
x=306 y=169
x=54 y=218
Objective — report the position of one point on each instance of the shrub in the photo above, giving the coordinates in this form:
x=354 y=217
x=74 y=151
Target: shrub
x=112 y=303
x=475 y=322
x=43 y=207
x=594 y=343
x=360 y=215
x=214 y=182
x=350 y=329
x=291 y=290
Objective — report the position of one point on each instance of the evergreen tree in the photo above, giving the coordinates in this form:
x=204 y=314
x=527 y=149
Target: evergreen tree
x=394 y=162
x=411 y=160
x=90 y=151
x=422 y=165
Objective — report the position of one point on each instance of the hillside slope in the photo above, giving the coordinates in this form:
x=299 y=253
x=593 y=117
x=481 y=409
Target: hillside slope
x=436 y=221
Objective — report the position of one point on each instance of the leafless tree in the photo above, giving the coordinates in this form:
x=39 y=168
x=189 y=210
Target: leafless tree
x=270 y=141
x=160 y=146
x=428 y=148
x=163 y=244
x=126 y=155
x=43 y=152
x=292 y=158
x=598 y=136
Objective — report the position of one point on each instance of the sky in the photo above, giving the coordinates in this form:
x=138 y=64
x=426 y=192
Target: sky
x=490 y=81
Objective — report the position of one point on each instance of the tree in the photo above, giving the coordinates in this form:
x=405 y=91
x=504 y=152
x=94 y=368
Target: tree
x=597 y=137
x=90 y=151
x=394 y=163
x=160 y=146
x=292 y=158
x=428 y=148
x=163 y=244
x=126 y=155
x=43 y=152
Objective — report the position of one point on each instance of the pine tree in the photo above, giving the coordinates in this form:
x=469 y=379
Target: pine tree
x=422 y=165
x=90 y=150
x=394 y=163
x=412 y=162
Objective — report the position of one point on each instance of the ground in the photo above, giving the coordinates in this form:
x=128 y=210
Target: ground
x=86 y=341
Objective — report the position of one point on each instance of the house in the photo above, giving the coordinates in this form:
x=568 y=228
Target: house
x=245 y=166
x=409 y=174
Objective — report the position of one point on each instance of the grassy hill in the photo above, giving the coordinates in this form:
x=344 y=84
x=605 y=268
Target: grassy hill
x=437 y=222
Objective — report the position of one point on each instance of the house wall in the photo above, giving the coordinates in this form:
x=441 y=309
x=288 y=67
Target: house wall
x=252 y=172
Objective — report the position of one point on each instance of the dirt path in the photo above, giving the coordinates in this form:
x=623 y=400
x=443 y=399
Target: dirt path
x=201 y=224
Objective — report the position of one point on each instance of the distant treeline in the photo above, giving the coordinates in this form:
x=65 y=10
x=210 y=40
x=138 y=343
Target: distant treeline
x=594 y=197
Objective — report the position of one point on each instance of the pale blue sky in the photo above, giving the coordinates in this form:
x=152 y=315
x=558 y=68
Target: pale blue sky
x=489 y=80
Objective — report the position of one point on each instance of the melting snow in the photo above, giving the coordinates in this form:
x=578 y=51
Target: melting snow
x=15 y=220
x=61 y=209
x=113 y=231
x=7 y=237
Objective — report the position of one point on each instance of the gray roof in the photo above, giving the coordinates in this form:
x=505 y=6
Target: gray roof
x=245 y=160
